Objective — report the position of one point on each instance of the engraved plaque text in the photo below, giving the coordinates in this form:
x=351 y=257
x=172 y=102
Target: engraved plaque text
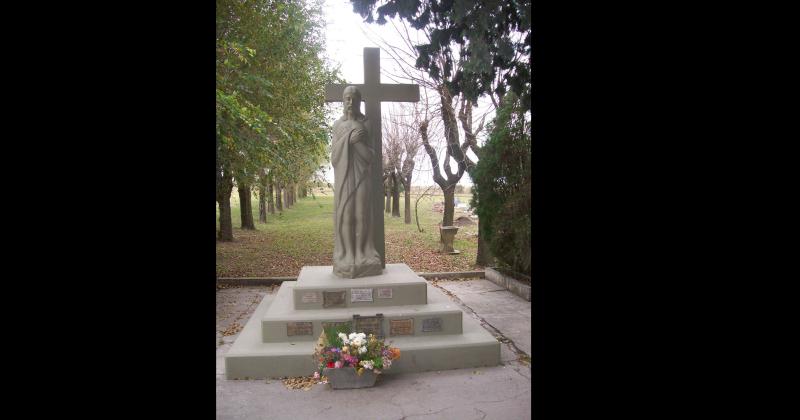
x=310 y=297
x=385 y=293
x=360 y=295
x=401 y=327
x=334 y=299
x=299 y=328
x=431 y=324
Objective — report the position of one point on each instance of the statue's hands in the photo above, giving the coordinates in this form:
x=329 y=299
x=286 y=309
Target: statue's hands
x=358 y=135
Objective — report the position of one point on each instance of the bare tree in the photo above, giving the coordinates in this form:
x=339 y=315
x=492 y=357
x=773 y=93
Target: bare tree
x=401 y=144
x=437 y=104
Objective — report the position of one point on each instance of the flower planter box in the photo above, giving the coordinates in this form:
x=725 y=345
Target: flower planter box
x=347 y=378
x=509 y=282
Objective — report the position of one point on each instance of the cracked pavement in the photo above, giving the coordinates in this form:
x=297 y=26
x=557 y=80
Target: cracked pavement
x=500 y=392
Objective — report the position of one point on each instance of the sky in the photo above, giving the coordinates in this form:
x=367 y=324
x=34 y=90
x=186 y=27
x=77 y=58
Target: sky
x=346 y=37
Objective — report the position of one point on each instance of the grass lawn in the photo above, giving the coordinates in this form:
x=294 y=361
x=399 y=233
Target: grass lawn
x=303 y=235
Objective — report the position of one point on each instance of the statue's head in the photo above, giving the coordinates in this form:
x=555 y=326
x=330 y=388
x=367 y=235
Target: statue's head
x=352 y=101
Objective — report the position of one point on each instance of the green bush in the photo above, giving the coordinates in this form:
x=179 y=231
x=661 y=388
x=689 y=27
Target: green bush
x=501 y=193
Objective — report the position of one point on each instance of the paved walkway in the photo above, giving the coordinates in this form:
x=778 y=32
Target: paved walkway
x=501 y=392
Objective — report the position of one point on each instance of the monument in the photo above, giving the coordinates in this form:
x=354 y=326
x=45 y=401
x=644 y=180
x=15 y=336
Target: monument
x=360 y=289
x=354 y=253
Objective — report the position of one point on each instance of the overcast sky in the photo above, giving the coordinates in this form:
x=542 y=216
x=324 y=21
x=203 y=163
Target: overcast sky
x=347 y=35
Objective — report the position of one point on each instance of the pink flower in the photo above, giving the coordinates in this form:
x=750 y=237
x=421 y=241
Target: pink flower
x=338 y=364
x=316 y=375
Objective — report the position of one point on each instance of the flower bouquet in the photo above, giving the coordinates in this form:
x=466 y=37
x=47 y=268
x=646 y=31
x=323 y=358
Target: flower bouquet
x=352 y=360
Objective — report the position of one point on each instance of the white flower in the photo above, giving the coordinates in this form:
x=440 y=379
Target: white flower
x=343 y=336
x=357 y=342
x=367 y=364
x=362 y=349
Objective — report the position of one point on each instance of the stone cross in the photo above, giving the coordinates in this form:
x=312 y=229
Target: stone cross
x=373 y=92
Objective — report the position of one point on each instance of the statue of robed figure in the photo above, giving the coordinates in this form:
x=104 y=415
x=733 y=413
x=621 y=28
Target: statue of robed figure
x=354 y=253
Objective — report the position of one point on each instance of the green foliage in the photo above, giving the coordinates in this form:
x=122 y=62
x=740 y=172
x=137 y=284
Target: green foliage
x=270 y=88
x=501 y=193
x=332 y=334
x=492 y=34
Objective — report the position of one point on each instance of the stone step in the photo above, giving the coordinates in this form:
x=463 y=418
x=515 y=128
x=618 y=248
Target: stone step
x=318 y=288
x=250 y=358
x=282 y=323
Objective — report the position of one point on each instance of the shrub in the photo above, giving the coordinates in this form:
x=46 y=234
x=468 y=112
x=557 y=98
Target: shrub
x=501 y=193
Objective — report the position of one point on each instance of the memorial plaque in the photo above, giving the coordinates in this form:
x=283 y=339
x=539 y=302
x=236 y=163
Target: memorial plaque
x=401 y=327
x=299 y=328
x=310 y=297
x=334 y=324
x=369 y=324
x=431 y=324
x=334 y=299
x=360 y=295
x=385 y=293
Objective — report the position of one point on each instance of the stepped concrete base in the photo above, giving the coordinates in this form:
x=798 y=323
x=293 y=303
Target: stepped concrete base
x=280 y=312
x=397 y=285
x=251 y=358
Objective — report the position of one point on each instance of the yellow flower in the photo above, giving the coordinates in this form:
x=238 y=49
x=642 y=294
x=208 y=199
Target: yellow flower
x=344 y=349
x=360 y=371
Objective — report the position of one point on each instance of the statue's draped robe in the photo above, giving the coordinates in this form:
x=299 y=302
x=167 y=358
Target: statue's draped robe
x=354 y=253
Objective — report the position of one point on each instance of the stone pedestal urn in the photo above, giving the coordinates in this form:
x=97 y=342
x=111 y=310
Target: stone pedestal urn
x=348 y=378
x=447 y=234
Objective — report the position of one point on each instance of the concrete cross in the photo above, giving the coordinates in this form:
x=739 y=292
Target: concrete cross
x=373 y=92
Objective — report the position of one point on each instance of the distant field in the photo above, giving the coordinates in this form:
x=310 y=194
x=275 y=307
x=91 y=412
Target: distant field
x=303 y=235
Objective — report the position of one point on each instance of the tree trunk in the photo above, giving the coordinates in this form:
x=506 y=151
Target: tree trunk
x=407 y=192
x=278 y=200
x=395 y=194
x=246 y=206
x=387 y=192
x=224 y=188
x=262 y=203
x=270 y=199
x=484 y=257
x=286 y=201
x=449 y=205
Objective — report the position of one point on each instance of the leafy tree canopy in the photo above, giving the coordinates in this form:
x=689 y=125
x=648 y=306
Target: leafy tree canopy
x=270 y=86
x=494 y=35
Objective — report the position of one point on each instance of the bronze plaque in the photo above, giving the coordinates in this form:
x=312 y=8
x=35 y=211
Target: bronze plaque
x=401 y=326
x=431 y=324
x=369 y=324
x=334 y=324
x=334 y=299
x=299 y=328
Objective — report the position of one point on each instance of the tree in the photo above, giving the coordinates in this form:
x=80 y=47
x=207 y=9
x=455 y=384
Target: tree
x=494 y=37
x=502 y=189
x=393 y=153
x=270 y=91
x=465 y=114
x=402 y=144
